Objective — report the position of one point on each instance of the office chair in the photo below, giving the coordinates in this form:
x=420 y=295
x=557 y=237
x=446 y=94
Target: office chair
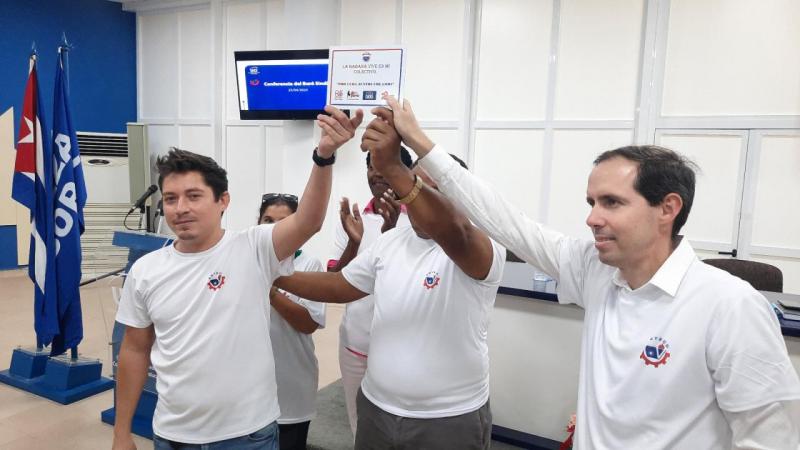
x=763 y=277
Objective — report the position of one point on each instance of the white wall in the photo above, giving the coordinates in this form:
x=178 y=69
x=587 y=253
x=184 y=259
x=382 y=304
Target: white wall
x=529 y=91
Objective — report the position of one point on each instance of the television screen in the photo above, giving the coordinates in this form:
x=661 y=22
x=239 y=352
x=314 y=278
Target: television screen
x=281 y=84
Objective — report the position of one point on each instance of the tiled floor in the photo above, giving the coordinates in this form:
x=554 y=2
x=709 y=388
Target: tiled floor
x=31 y=422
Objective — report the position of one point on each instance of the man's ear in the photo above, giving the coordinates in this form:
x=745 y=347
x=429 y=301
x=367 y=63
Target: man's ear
x=671 y=206
x=225 y=199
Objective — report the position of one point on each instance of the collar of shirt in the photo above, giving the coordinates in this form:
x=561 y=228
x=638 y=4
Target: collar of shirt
x=370 y=208
x=669 y=276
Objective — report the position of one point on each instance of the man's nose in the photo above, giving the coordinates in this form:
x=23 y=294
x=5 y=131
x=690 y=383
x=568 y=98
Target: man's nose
x=182 y=205
x=595 y=218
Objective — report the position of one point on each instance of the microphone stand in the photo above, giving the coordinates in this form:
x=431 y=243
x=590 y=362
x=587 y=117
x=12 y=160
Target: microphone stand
x=141 y=216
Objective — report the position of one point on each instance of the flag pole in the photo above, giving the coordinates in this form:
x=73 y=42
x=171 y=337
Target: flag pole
x=32 y=59
x=63 y=49
x=63 y=61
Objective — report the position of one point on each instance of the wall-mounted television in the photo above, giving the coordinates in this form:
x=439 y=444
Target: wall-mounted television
x=281 y=84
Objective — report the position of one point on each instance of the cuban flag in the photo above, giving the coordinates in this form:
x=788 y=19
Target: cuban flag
x=70 y=199
x=32 y=186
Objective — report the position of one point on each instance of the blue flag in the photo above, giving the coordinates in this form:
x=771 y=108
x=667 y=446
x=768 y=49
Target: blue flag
x=70 y=199
x=32 y=186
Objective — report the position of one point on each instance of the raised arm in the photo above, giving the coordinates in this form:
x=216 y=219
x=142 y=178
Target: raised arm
x=430 y=211
x=502 y=221
x=292 y=232
x=327 y=287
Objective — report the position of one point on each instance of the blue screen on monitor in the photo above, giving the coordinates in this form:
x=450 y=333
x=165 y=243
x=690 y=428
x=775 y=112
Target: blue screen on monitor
x=281 y=84
x=293 y=86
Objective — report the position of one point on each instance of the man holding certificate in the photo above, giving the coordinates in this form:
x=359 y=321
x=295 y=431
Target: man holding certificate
x=427 y=381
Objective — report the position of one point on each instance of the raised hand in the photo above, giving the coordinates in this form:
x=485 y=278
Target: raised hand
x=351 y=222
x=407 y=126
x=383 y=142
x=389 y=209
x=336 y=129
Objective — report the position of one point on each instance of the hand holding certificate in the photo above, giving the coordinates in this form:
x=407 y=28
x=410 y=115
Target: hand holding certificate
x=361 y=76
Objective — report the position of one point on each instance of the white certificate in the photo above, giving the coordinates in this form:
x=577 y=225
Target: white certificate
x=358 y=76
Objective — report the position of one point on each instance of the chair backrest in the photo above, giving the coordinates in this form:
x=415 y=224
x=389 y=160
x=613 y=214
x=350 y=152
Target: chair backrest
x=763 y=277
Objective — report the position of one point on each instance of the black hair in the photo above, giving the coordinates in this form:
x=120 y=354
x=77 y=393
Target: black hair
x=183 y=161
x=661 y=171
x=277 y=201
x=405 y=156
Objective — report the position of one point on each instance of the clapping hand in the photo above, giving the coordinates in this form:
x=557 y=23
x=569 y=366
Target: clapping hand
x=351 y=222
x=389 y=209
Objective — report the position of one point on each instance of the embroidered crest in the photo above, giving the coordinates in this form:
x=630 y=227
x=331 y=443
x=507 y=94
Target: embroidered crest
x=215 y=281
x=655 y=352
x=431 y=280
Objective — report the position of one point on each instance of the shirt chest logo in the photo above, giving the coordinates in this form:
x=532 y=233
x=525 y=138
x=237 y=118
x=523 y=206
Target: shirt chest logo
x=215 y=281
x=656 y=352
x=431 y=280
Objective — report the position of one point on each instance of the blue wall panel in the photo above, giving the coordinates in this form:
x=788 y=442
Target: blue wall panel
x=102 y=65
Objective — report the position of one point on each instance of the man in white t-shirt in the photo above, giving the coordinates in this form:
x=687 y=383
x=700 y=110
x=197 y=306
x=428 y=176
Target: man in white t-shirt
x=427 y=381
x=355 y=232
x=675 y=353
x=197 y=308
x=292 y=321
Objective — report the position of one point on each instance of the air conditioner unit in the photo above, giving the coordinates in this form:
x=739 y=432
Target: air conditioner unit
x=105 y=166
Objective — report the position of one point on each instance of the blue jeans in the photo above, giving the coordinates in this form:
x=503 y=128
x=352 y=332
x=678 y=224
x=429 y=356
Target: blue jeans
x=263 y=439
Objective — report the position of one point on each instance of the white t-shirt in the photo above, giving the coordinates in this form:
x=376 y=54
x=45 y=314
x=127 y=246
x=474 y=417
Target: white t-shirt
x=296 y=369
x=212 y=353
x=661 y=365
x=357 y=319
x=429 y=356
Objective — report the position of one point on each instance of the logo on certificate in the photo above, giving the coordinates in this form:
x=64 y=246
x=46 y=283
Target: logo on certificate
x=339 y=94
x=253 y=70
x=370 y=95
x=254 y=82
x=353 y=95
x=366 y=56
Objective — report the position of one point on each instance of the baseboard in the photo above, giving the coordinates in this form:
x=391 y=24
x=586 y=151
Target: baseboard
x=523 y=440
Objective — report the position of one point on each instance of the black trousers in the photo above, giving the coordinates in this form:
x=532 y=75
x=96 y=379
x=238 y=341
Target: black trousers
x=293 y=436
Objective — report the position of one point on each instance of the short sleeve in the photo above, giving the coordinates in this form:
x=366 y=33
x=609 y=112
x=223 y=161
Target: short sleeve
x=747 y=355
x=132 y=309
x=495 y=275
x=361 y=271
x=261 y=236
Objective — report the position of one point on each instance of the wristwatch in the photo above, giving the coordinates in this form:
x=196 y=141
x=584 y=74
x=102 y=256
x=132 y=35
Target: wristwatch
x=322 y=162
